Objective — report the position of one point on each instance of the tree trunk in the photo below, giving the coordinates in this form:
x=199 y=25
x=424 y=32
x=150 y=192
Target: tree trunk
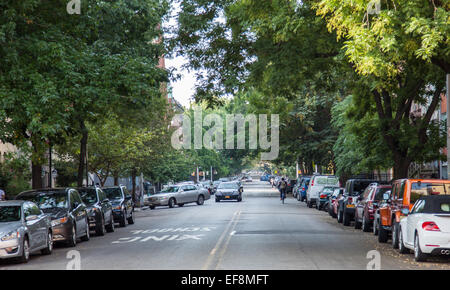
x=116 y=180
x=36 y=173
x=401 y=166
x=82 y=159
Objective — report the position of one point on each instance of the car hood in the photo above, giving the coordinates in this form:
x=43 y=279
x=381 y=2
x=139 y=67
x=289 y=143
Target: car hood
x=225 y=191
x=8 y=227
x=56 y=213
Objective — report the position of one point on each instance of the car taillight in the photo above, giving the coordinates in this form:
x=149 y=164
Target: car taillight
x=303 y=188
x=430 y=226
x=350 y=199
x=312 y=183
x=323 y=196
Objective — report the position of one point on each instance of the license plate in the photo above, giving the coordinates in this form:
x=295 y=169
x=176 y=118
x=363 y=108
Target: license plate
x=350 y=205
x=227 y=196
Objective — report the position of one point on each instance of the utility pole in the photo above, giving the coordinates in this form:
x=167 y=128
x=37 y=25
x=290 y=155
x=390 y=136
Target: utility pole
x=198 y=178
x=448 y=125
x=87 y=170
x=296 y=169
x=211 y=174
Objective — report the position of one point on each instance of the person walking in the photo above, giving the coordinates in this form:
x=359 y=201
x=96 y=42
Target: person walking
x=283 y=187
x=2 y=195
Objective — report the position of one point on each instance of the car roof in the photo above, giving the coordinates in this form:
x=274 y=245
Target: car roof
x=44 y=190
x=12 y=202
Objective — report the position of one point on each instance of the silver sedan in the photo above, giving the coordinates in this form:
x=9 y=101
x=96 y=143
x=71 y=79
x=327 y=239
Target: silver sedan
x=180 y=195
x=24 y=229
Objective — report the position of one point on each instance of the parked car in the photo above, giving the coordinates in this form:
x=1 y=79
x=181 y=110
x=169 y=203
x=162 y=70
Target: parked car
x=67 y=212
x=179 y=194
x=303 y=188
x=324 y=196
x=99 y=209
x=122 y=204
x=347 y=203
x=24 y=229
x=405 y=192
x=367 y=204
x=248 y=179
x=376 y=217
x=290 y=185
x=229 y=191
x=295 y=188
x=333 y=201
x=317 y=183
x=426 y=228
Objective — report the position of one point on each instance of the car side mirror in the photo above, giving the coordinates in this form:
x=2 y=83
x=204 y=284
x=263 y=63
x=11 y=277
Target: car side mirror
x=31 y=218
x=405 y=211
x=386 y=196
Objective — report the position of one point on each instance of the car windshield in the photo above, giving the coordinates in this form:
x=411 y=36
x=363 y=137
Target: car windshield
x=328 y=190
x=326 y=180
x=380 y=192
x=170 y=189
x=113 y=193
x=228 y=186
x=48 y=200
x=9 y=214
x=89 y=196
x=360 y=186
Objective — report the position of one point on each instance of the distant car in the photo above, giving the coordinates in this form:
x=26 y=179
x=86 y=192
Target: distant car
x=229 y=191
x=248 y=179
x=99 y=209
x=24 y=229
x=67 y=211
x=324 y=195
x=426 y=228
x=303 y=187
x=179 y=194
x=317 y=183
x=122 y=204
x=367 y=204
x=333 y=201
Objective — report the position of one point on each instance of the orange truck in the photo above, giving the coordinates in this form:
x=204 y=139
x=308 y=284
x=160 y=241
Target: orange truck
x=404 y=194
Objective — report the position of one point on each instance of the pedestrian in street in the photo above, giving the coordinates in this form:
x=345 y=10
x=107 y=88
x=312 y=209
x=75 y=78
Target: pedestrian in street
x=283 y=186
x=2 y=195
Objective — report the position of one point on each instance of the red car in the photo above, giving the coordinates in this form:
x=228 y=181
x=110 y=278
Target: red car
x=367 y=204
x=332 y=208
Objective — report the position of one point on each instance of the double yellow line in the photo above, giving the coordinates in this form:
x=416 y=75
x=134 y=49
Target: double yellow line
x=217 y=253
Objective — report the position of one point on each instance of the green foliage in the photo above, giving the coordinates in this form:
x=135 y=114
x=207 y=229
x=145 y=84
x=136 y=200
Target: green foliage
x=14 y=174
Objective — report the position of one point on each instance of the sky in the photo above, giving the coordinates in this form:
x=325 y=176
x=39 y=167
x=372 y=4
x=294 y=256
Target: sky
x=182 y=89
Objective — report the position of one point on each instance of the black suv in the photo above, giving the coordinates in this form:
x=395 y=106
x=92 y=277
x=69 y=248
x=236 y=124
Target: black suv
x=122 y=203
x=353 y=189
x=99 y=209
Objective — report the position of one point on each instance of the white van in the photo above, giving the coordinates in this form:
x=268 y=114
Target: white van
x=316 y=184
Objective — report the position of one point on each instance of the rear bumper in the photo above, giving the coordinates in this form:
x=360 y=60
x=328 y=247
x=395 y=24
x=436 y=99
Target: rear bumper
x=224 y=197
x=435 y=242
x=62 y=232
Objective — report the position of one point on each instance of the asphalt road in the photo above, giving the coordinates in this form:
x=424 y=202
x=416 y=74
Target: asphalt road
x=257 y=233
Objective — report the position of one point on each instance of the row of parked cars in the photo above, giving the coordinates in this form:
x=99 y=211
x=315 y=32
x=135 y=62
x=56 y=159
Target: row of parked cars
x=414 y=214
x=36 y=219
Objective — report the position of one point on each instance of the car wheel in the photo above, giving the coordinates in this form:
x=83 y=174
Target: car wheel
x=375 y=226
x=152 y=207
x=217 y=200
x=395 y=235
x=309 y=204
x=365 y=224
x=72 y=242
x=171 y=202
x=401 y=245
x=25 y=257
x=123 y=220
x=111 y=228
x=200 y=200
x=358 y=224
x=87 y=234
x=382 y=234
x=418 y=255
x=346 y=219
x=131 y=218
x=100 y=229
x=49 y=249
x=239 y=199
x=339 y=215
